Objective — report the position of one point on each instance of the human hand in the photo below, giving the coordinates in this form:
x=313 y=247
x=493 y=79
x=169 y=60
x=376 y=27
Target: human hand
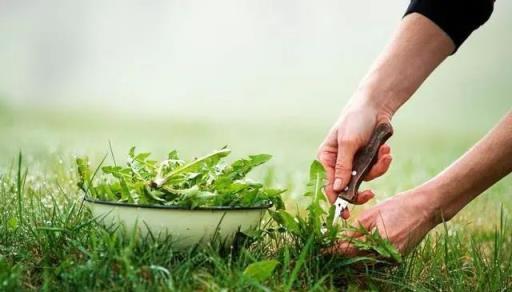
x=351 y=132
x=406 y=218
x=403 y=219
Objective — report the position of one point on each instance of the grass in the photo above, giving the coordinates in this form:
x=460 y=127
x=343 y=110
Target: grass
x=48 y=240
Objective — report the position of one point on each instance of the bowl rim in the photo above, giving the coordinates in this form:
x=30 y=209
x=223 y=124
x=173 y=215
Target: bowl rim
x=171 y=207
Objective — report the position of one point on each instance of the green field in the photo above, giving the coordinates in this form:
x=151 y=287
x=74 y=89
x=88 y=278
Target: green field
x=258 y=76
x=52 y=244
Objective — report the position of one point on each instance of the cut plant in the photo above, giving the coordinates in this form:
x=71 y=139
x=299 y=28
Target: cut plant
x=207 y=181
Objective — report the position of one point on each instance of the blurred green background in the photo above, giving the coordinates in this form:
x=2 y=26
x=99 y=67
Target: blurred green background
x=259 y=76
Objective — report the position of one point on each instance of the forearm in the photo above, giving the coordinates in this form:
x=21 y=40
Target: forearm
x=483 y=165
x=416 y=49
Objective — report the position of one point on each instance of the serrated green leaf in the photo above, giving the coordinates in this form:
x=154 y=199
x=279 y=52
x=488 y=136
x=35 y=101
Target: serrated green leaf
x=84 y=173
x=173 y=155
x=12 y=223
x=260 y=271
x=131 y=153
x=316 y=170
x=142 y=156
x=240 y=168
x=286 y=220
x=201 y=182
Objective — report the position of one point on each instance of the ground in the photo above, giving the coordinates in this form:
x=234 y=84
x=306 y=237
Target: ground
x=49 y=242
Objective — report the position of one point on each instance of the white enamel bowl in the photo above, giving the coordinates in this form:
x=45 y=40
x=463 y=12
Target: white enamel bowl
x=187 y=227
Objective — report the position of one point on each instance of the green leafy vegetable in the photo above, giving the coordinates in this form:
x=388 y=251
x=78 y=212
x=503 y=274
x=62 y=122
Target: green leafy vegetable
x=209 y=181
x=318 y=226
x=260 y=271
x=203 y=182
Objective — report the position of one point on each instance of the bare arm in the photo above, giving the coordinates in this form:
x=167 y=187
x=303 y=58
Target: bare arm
x=430 y=32
x=416 y=49
x=483 y=165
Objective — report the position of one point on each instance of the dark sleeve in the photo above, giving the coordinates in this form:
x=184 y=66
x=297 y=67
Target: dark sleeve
x=458 y=18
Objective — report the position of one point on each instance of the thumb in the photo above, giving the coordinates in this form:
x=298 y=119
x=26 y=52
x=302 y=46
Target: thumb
x=343 y=168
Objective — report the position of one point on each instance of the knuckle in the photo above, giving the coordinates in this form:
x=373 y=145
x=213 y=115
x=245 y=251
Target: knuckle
x=365 y=220
x=346 y=141
x=320 y=148
x=378 y=171
x=325 y=160
x=320 y=154
x=340 y=166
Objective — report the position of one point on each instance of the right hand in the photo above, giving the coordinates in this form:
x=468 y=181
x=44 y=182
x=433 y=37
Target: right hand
x=351 y=132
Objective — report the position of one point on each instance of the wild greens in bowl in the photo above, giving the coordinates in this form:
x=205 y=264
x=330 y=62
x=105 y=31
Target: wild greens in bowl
x=207 y=181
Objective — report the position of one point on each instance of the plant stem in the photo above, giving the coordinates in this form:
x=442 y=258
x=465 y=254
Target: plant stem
x=159 y=182
x=20 y=184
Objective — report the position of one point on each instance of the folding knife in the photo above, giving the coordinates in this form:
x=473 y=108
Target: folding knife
x=364 y=159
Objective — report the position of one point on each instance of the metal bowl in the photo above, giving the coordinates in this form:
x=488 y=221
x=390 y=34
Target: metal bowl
x=186 y=226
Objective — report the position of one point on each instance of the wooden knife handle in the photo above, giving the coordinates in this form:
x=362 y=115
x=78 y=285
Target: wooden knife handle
x=364 y=159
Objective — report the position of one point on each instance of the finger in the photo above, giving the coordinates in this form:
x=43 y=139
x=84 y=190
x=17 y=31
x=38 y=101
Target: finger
x=364 y=196
x=355 y=231
x=384 y=149
x=351 y=234
x=329 y=191
x=380 y=168
x=382 y=165
x=345 y=214
x=345 y=247
x=327 y=157
x=343 y=167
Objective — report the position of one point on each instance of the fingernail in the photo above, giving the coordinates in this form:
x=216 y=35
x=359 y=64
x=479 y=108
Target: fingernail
x=337 y=184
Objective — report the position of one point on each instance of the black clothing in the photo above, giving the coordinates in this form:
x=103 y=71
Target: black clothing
x=457 y=18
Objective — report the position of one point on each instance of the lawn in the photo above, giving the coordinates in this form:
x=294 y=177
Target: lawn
x=49 y=241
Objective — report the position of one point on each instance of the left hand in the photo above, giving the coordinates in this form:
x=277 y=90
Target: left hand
x=403 y=219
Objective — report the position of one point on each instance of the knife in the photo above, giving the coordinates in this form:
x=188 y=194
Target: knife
x=364 y=159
